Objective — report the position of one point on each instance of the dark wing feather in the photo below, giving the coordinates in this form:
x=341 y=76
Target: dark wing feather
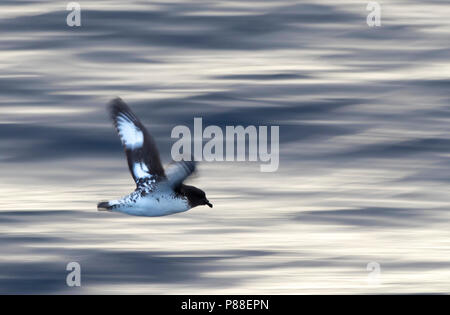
x=140 y=148
x=177 y=172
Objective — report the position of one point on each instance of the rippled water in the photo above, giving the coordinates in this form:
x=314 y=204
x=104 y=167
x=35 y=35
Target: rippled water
x=364 y=146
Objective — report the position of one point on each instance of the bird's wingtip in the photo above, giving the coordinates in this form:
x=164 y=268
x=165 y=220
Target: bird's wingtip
x=116 y=102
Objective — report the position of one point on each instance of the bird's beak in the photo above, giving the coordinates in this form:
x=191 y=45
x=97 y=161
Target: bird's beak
x=208 y=203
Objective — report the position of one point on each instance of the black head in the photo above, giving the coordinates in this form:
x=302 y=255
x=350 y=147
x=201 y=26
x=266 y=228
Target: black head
x=195 y=196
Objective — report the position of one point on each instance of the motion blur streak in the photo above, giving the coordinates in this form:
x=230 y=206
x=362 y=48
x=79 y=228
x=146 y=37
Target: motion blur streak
x=364 y=145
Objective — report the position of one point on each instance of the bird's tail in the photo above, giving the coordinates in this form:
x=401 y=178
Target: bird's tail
x=103 y=206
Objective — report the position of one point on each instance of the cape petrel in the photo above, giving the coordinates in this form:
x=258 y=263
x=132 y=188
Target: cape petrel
x=158 y=192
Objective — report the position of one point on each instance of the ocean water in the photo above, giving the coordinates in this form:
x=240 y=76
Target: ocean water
x=364 y=168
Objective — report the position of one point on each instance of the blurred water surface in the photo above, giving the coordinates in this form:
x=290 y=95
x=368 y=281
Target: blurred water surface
x=364 y=146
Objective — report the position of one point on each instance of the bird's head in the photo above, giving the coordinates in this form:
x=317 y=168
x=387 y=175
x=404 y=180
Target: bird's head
x=195 y=196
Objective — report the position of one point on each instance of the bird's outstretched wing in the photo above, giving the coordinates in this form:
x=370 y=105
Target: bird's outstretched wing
x=140 y=148
x=177 y=172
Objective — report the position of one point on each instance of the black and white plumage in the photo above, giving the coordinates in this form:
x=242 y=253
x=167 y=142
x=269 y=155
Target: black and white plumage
x=158 y=192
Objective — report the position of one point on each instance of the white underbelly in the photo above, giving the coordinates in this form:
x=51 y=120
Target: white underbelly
x=155 y=205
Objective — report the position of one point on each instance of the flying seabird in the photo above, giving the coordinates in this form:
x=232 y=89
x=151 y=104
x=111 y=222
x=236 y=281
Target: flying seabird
x=158 y=192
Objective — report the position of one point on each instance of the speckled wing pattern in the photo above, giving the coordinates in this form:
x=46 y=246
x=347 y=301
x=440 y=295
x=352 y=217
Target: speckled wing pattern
x=140 y=148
